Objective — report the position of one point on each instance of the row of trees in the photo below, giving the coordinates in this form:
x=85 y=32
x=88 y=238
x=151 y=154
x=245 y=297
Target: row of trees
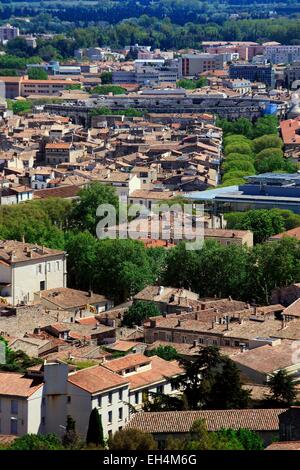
x=161 y=23
x=246 y=155
x=120 y=268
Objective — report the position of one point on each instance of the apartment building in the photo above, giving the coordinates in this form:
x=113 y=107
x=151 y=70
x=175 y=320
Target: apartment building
x=26 y=268
x=8 y=32
x=63 y=152
x=282 y=54
x=145 y=375
x=190 y=65
x=21 y=408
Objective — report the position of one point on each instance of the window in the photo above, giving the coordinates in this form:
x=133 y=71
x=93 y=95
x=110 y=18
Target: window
x=40 y=269
x=173 y=386
x=69 y=399
x=120 y=395
x=14 y=407
x=13 y=426
x=136 y=396
x=49 y=267
x=57 y=265
x=160 y=389
x=120 y=413
x=99 y=401
x=110 y=417
x=145 y=396
x=110 y=395
x=110 y=433
x=42 y=285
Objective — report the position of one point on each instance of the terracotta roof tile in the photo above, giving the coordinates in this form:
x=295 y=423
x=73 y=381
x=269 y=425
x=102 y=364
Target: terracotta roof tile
x=15 y=384
x=96 y=379
x=182 y=421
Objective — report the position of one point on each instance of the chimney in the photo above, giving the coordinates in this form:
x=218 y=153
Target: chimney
x=90 y=294
x=212 y=324
x=195 y=343
x=227 y=322
x=179 y=323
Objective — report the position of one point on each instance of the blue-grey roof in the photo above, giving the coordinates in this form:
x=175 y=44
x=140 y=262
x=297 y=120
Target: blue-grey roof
x=211 y=193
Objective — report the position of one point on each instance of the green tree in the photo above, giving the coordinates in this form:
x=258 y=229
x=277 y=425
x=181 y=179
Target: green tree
x=21 y=107
x=131 y=439
x=262 y=222
x=165 y=352
x=81 y=248
x=71 y=439
x=282 y=388
x=37 y=73
x=238 y=147
x=37 y=442
x=267 y=141
x=196 y=382
x=106 y=89
x=95 y=431
x=249 y=440
x=139 y=312
x=17 y=361
x=123 y=268
x=106 y=78
x=227 y=391
x=265 y=125
x=83 y=215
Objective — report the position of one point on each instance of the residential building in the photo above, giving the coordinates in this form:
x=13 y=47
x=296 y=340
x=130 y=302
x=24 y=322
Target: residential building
x=145 y=375
x=279 y=54
x=8 y=32
x=260 y=364
x=290 y=133
x=63 y=152
x=73 y=300
x=21 y=404
x=98 y=387
x=27 y=268
x=190 y=65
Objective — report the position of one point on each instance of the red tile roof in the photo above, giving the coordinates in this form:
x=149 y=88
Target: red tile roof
x=15 y=384
x=96 y=379
x=182 y=421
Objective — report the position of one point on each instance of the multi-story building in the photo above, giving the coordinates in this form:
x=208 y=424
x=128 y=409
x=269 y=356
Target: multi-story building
x=245 y=50
x=8 y=32
x=63 y=152
x=254 y=73
x=282 y=54
x=44 y=87
x=292 y=74
x=190 y=65
x=41 y=400
x=26 y=269
x=21 y=404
